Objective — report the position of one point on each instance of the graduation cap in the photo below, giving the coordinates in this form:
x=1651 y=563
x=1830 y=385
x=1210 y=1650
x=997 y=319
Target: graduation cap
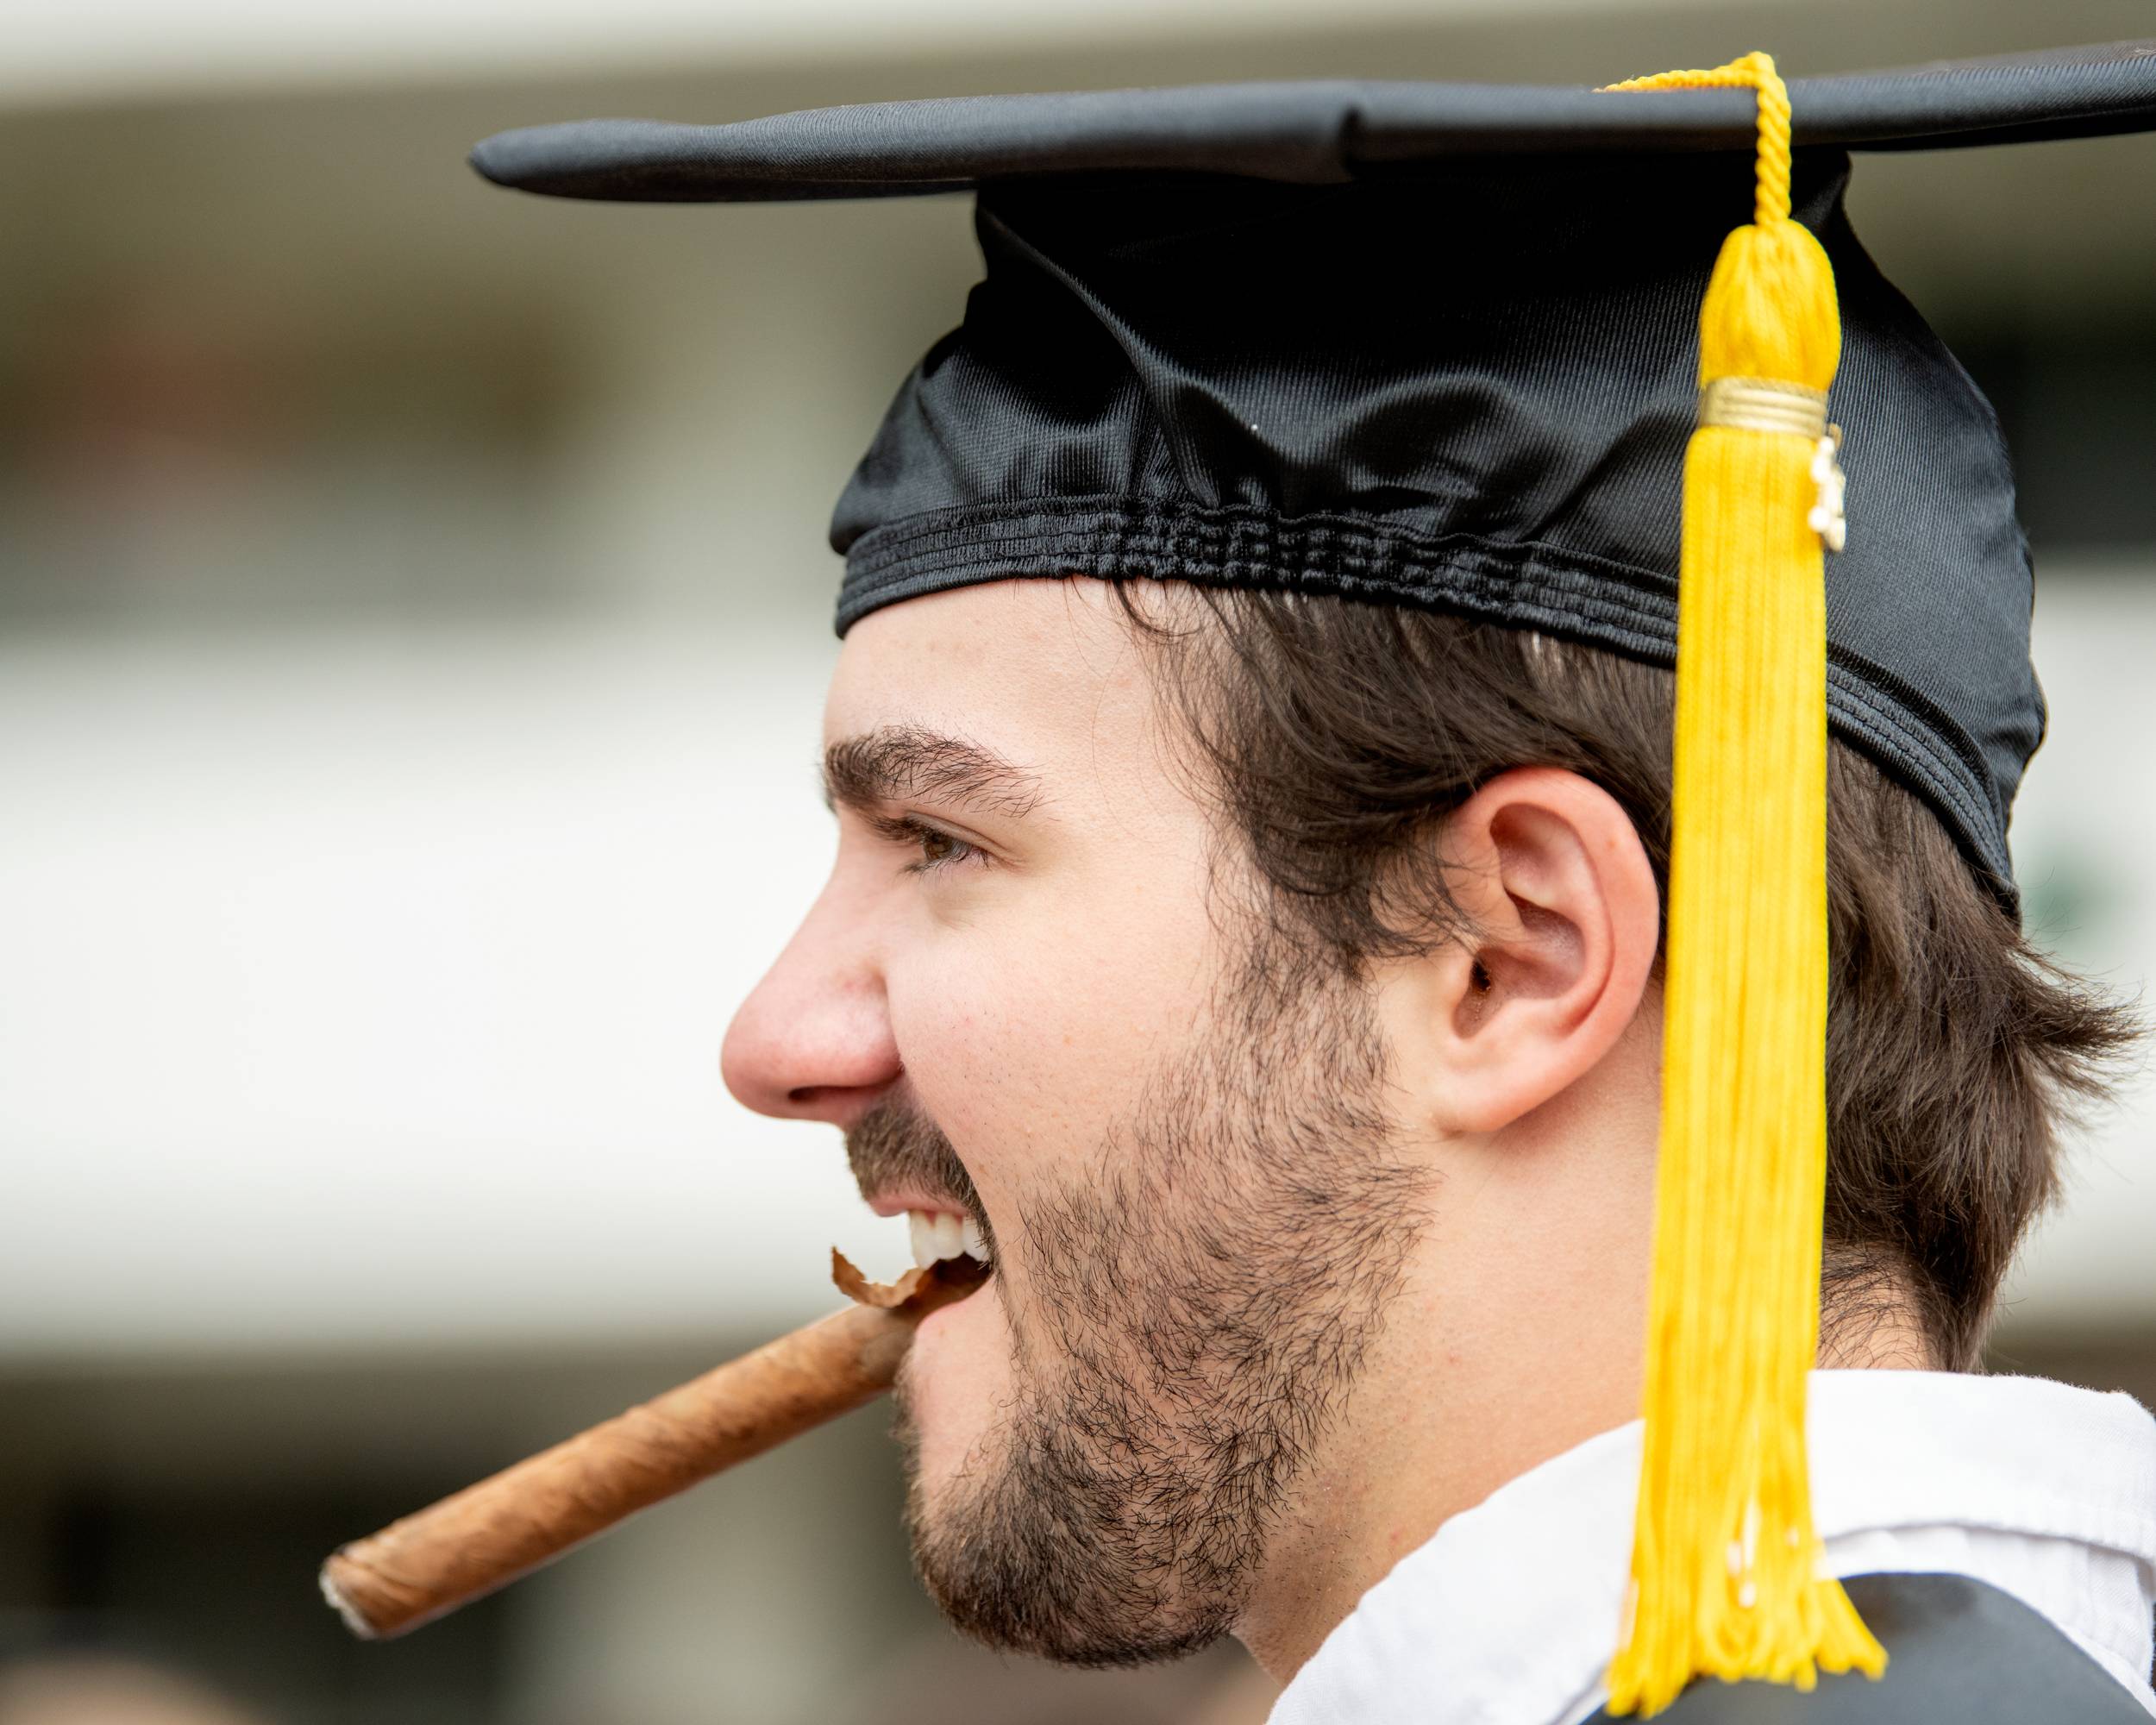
x=1514 y=353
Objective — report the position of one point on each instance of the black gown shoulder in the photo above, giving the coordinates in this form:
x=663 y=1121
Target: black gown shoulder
x=1958 y=1653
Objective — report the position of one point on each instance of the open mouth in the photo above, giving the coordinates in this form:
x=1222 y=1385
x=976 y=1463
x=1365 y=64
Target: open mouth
x=936 y=1235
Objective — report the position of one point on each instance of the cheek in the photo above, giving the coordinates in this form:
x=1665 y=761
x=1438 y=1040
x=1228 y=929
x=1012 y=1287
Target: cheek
x=1026 y=1033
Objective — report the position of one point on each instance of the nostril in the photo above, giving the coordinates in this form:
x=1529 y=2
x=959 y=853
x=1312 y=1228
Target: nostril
x=837 y=1102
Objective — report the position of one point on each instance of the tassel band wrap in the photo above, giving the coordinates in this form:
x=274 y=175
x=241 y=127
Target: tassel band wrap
x=1750 y=403
x=1758 y=404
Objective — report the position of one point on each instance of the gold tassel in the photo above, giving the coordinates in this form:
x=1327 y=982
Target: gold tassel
x=1725 y=1568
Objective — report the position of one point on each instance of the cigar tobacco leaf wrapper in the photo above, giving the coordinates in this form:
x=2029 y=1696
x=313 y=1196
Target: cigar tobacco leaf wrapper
x=488 y=1534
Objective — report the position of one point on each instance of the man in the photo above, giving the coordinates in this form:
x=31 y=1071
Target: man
x=1252 y=754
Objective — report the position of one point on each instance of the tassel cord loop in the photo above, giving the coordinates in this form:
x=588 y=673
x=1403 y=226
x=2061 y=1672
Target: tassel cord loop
x=1770 y=181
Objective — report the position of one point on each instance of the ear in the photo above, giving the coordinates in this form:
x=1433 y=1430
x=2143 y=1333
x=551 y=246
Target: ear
x=1562 y=924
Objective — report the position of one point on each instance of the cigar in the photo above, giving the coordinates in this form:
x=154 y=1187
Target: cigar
x=488 y=1534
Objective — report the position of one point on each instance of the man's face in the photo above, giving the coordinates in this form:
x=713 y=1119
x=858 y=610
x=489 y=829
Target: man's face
x=1040 y=991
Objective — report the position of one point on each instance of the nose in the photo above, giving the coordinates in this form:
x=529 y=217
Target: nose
x=813 y=1040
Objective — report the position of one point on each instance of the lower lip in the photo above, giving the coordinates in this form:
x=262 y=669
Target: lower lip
x=939 y=1323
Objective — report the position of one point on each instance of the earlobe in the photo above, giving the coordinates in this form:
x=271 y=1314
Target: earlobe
x=1564 y=921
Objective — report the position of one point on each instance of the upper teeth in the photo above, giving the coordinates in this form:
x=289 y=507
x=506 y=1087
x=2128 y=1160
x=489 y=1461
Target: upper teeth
x=939 y=1234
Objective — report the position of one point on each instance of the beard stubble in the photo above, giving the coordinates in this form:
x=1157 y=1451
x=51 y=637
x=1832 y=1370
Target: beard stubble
x=1190 y=1315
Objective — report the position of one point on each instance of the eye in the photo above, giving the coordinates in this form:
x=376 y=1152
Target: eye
x=938 y=849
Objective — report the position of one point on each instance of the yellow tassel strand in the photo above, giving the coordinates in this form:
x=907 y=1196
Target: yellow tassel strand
x=1726 y=1566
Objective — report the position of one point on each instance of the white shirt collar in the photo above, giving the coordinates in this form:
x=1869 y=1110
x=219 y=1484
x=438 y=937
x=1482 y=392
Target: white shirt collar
x=1508 y=1615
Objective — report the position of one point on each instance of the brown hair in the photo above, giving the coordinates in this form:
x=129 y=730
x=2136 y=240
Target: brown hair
x=1334 y=732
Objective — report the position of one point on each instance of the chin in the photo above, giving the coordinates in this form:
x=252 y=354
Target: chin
x=1024 y=1541
x=993 y=1550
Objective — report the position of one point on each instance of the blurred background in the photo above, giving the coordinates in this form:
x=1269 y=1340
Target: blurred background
x=413 y=621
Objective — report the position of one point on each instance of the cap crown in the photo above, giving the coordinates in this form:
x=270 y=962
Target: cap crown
x=1468 y=386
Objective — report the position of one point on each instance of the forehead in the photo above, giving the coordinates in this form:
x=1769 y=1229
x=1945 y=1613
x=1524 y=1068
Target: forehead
x=1045 y=671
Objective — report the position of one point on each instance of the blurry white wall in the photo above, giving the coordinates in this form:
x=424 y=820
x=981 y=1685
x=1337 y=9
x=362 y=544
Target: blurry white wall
x=366 y=988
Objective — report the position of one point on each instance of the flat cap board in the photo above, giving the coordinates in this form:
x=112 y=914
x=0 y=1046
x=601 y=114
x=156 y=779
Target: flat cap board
x=1316 y=132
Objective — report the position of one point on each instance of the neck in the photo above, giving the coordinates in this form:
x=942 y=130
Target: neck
x=1490 y=1361
x=1446 y=1411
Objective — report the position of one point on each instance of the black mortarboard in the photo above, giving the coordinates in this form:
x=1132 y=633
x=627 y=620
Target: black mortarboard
x=1444 y=345
x=1428 y=343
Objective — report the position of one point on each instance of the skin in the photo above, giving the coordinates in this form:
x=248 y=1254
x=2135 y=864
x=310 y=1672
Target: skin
x=1288 y=1272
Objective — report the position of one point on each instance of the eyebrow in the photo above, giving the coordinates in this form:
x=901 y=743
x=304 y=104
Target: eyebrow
x=898 y=761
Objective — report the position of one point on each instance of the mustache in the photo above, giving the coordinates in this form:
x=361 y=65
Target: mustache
x=895 y=1144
